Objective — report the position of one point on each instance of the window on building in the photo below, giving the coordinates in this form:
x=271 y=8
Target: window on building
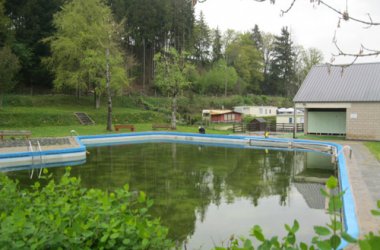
x=261 y=111
x=270 y=111
x=290 y=120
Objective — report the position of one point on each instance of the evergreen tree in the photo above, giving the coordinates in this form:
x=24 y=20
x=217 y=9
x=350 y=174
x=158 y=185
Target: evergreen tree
x=202 y=41
x=217 y=45
x=150 y=26
x=9 y=62
x=182 y=24
x=31 y=23
x=282 y=75
x=257 y=38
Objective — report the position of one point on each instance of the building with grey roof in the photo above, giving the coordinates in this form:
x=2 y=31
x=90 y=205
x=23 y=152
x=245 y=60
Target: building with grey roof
x=342 y=101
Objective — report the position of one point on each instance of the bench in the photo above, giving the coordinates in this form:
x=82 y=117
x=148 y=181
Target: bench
x=127 y=126
x=25 y=133
x=162 y=126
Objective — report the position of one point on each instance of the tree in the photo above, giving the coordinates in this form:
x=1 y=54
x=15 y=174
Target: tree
x=217 y=45
x=307 y=59
x=282 y=66
x=267 y=50
x=304 y=60
x=220 y=79
x=9 y=66
x=32 y=22
x=5 y=24
x=202 y=41
x=150 y=26
x=170 y=77
x=257 y=38
x=229 y=36
x=85 y=31
x=246 y=59
x=85 y=51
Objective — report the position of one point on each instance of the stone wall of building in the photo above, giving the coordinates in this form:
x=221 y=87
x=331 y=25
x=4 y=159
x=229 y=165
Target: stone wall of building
x=363 y=121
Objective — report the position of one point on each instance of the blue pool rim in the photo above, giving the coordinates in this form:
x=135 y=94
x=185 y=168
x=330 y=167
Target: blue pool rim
x=349 y=215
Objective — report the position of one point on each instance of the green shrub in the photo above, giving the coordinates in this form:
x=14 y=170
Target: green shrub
x=65 y=216
x=326 y=237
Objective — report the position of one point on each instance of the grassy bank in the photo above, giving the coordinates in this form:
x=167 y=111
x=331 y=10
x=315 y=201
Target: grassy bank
x=53 y=115
x=374 y=147
x=51 y=131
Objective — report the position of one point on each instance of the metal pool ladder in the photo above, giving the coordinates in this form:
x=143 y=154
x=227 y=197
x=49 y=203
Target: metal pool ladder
x=41 y=163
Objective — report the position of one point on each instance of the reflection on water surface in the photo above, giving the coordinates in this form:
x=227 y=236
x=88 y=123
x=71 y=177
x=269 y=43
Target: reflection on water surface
x=204 y=194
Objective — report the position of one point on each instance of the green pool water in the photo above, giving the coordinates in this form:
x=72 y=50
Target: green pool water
x=205 y=194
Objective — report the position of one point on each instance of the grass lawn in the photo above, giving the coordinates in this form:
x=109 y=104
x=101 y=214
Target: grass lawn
x=374 y=147
x=51 y=131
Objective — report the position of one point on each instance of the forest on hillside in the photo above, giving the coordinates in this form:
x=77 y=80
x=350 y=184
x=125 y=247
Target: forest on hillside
x=65 y=46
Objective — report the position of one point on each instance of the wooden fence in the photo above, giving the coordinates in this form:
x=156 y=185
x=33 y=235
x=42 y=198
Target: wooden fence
x=272 y=127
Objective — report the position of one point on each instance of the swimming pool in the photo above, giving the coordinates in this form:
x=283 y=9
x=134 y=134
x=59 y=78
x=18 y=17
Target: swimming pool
x=244 y=143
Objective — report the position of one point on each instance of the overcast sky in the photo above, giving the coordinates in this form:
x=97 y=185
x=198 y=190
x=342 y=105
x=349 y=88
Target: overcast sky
x=310 y=25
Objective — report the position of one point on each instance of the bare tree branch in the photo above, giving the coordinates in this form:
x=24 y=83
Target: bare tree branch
x=343 y=14
x=290 y=7
x=363 y=52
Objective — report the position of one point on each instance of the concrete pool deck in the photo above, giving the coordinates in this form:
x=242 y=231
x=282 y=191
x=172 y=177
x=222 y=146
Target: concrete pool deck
x=14 y=146
x=363 y=173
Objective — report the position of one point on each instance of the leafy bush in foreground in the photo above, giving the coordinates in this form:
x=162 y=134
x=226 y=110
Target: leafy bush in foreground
x=326 y=237
x=64 y=215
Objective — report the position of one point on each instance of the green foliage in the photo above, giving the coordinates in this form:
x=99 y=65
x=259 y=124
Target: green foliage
x=202 y=41
x=64 y=215
x=326 y=237
x=84 y=31
x=57 y=110
x=246 y=59
x=217 y=45
x=309 y=58
x=4 y=25
x=152 y=25
x=9 y=66
x=282 y=75
x=371 y=241
x=32 y=22
x=26 y=117
x=171 y=77
x=171 y=69
x=221 y=79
